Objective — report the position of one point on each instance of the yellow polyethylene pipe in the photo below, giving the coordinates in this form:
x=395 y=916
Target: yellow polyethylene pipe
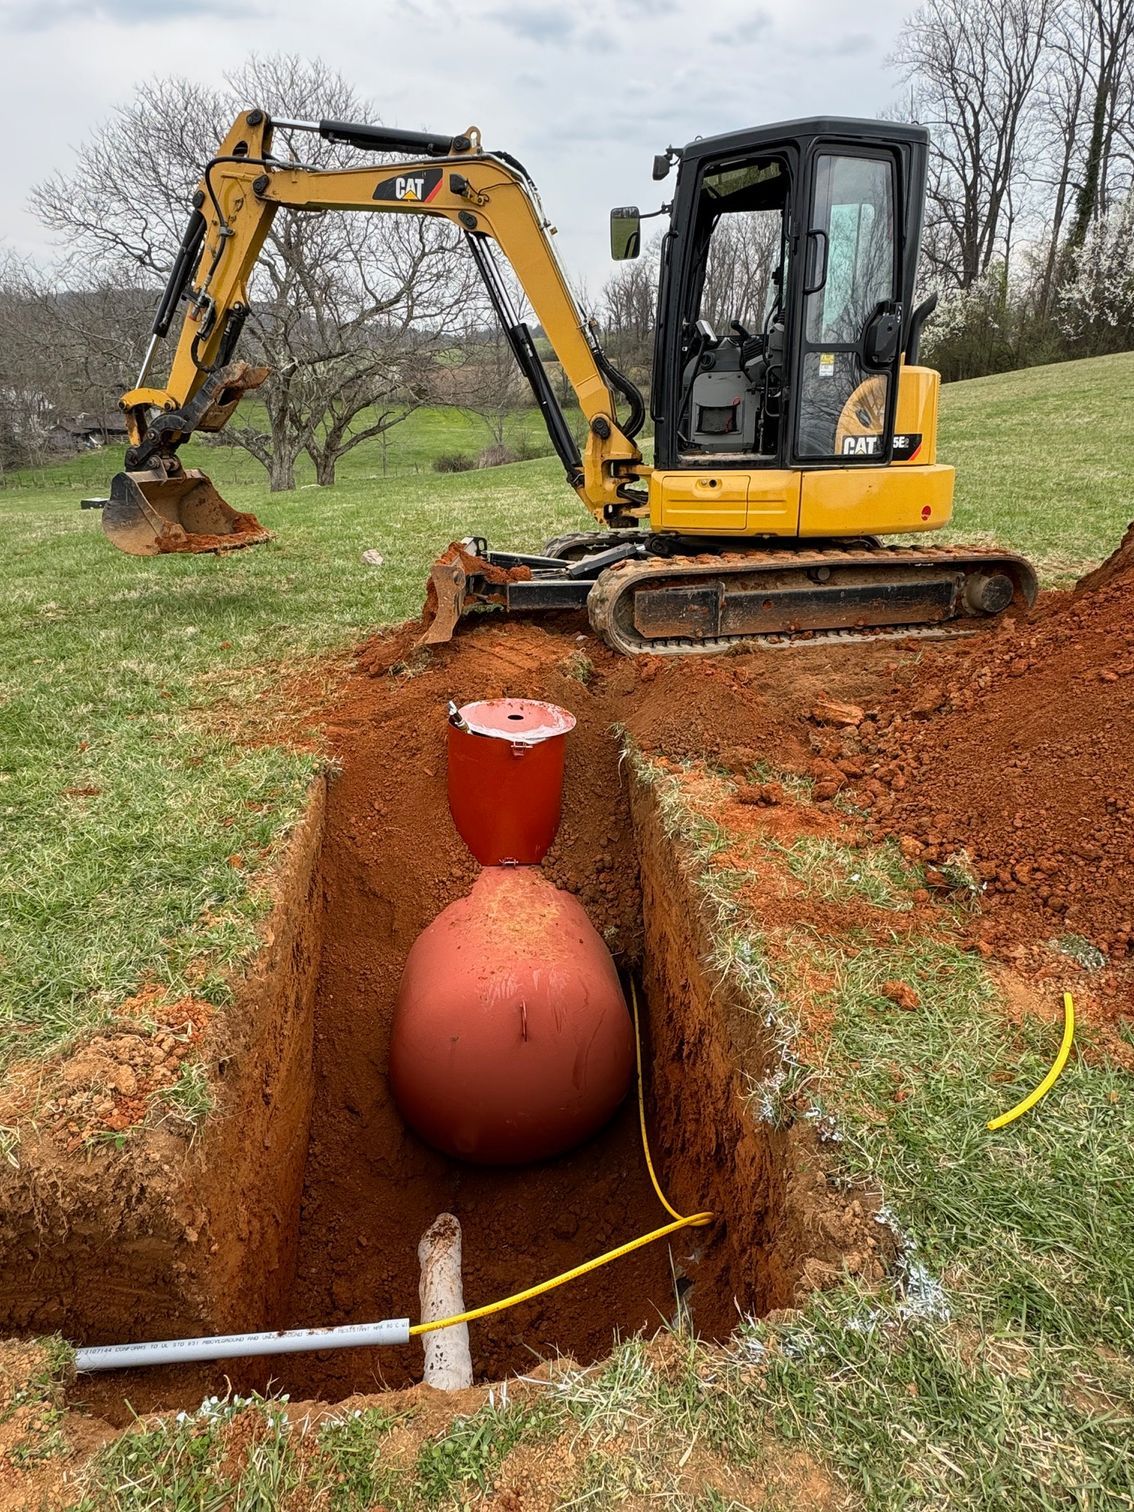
x=696 y=1220
x=1052 y=1076
x=546 y=1286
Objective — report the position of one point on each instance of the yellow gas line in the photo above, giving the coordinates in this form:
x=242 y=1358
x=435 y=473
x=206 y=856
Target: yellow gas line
x=1052 y=1076
x=695 y=1220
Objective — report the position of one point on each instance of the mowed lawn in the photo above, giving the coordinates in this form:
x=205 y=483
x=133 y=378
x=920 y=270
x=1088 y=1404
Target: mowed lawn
x=123 y=798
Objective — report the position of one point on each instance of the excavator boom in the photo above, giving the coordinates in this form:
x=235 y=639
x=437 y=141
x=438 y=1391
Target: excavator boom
x=156 y=505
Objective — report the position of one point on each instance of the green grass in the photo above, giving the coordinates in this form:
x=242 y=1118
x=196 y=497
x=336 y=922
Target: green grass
x=181 y=1464
x=1045 y=460
x=189 y=1100
x=840 y=874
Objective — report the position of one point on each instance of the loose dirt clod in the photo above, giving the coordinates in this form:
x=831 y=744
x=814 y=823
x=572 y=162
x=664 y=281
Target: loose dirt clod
x=901 y=994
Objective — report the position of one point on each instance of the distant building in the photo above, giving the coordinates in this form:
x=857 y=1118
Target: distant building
x=85 y=432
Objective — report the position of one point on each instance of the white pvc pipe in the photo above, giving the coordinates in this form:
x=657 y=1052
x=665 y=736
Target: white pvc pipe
x=230 y=1346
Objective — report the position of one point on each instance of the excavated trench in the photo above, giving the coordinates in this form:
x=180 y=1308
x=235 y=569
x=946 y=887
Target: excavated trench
x=305 y=1202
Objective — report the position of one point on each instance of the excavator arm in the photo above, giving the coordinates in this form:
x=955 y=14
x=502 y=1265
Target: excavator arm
x=157 y=505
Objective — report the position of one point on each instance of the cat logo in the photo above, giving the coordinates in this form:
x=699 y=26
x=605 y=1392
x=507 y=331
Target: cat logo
x=861 y=446
x=410 y=188
x=905 y=449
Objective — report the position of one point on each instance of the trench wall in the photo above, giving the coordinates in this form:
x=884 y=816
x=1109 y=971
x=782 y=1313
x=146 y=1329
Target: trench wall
x=782 y=1225
x=167 y=1237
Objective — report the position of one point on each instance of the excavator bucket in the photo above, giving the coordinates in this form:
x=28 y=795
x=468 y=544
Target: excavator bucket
x=150 y=513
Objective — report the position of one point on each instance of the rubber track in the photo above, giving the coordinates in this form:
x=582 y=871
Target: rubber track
x=612 y=585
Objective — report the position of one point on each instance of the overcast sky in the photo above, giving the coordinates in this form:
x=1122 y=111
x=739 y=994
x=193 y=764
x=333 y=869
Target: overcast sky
x=583 y=93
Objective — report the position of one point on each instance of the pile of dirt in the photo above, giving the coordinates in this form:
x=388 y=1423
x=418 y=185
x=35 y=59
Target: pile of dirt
x=1008 y=757
x=246 y=531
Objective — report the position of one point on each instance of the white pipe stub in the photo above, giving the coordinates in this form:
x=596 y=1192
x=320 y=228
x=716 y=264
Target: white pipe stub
x=232 y=1346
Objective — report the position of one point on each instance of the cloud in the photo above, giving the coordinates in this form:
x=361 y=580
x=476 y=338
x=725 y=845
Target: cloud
x=583 y=95
x=45 y=15
x=755 y=24
x=536 y=24
x=846 y=45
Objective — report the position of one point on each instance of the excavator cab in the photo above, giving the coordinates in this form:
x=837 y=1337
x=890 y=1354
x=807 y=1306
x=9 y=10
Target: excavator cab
x=786 y=296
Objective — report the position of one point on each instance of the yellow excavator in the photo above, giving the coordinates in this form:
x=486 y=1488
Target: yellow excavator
x=784 y=446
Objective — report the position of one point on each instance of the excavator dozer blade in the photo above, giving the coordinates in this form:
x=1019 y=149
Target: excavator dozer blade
x=149 y=514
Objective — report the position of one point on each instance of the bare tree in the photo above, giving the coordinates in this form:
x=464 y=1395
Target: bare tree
x=23 y=406
x=59 y=354
x=627 y=305
x=481 y=375
x=345 y=309
x=743 y=254
x=1061 y=95
x=973 y=67
x=1106 y=35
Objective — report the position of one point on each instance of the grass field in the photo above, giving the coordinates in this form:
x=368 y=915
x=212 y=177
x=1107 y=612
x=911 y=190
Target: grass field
x=124 y=799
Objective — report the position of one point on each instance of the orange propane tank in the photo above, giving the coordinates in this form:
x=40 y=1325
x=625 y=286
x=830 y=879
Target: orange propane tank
x=511 y=1039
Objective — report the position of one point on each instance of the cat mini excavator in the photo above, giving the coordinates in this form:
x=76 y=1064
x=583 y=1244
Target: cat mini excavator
x=786 y=443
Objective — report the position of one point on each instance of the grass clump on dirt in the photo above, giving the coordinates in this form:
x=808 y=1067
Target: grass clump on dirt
x=834 y=871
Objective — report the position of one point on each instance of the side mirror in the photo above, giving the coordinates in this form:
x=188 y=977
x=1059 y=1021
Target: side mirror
x=661 y=166
x=881 y=337
x=625 y=232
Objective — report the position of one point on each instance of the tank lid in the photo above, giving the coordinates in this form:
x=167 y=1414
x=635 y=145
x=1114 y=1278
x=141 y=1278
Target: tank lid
x=523 y=721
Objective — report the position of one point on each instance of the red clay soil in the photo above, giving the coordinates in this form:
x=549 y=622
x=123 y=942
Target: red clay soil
x=1015 y=750
x=486 y=571
x=246 y=531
